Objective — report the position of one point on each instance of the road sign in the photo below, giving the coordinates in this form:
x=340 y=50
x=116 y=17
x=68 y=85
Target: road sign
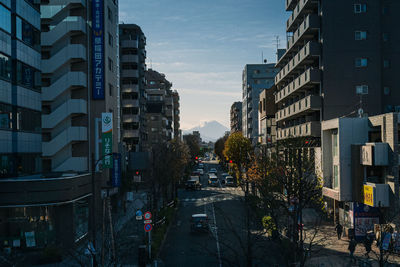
x=139 y=213
x=138 y=218
x=147 y=221
x=147 y=215
x=148 y=227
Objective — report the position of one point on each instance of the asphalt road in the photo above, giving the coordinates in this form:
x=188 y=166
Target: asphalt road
x=224 y=207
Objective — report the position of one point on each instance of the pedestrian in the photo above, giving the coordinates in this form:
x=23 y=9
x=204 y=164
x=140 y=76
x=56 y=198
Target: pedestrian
x=339 y=230
x=352 y=248
x=367 y=244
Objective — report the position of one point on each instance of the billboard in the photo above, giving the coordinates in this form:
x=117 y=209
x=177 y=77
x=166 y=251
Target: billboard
x=106 y=139
x=365 y=217
x=97 y=49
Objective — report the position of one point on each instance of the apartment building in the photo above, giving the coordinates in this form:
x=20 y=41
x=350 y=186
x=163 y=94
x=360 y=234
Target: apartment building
x=133 y=104
x=236 y=117
x=359 y=166
x=79 y=79
x=159 y=108
x=266 y=116
x=177 y=125
x=340 y=57
x=255 y=78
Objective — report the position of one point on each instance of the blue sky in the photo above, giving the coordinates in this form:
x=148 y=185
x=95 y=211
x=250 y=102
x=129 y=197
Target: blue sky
x=202 y=47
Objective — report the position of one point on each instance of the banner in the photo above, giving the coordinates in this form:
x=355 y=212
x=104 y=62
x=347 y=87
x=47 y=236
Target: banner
x=369 y=195
x=116 y=170
x=106 y=139
x=97 y=49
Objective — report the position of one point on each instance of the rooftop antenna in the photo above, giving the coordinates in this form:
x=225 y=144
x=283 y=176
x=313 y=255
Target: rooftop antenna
x=278 y=42
x=151 y=64
x=262 y=56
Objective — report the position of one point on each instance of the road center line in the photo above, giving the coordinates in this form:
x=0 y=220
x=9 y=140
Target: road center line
x=216 y=236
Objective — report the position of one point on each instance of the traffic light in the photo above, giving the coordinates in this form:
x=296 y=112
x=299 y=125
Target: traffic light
x=197 y=157
x=230 y=161
x=137 y=173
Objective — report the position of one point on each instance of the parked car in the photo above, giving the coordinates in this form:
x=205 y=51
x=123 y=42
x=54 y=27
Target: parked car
x=195 y=173
x=199 y=223
x=193 y=183
x=229 y=181
x=201 y=166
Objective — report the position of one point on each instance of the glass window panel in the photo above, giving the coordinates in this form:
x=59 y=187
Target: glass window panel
x=5 y=67
x=5 y=19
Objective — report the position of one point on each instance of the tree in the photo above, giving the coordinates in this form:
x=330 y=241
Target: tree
x=193 y=144
x=219 y=147
x=180 y=159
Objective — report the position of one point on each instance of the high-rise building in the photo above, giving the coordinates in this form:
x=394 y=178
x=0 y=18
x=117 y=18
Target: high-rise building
x=255 y=78
x=236 y=117
x=159 y=108
x=79 y=79
x=133 y=94
x=20 y=87
x=340 y=60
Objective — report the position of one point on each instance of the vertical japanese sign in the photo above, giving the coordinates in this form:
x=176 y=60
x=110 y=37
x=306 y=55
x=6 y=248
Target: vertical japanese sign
x=369 y=195
x=106 y=139
x=97 y=49
x=116 y=170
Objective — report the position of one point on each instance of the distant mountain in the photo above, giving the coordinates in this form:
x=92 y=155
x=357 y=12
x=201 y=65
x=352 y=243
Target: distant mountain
x=209 y=131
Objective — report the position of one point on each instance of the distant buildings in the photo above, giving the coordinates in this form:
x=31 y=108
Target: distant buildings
x=236 y=117
x=266 y=115
x=321 y=78
x=255 y=78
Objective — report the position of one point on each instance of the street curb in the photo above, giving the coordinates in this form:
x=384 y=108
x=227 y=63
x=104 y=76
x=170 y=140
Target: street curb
x=167 y=232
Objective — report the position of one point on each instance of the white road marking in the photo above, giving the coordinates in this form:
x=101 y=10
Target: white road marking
x=216 y=236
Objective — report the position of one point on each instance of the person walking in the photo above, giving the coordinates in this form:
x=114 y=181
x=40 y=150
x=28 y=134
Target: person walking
x=339 y=230
x=367 y=244
x=352 y=248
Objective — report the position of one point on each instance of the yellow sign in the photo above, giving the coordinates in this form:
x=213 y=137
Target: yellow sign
x=368 y=195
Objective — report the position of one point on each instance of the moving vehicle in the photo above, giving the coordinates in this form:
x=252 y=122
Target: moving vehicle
x=199 y=223
x=213 y=180
x=200 y=171
x=193 y=183
x=212 y=170
x=229 y=181
x=201 y=166
x=196 y=173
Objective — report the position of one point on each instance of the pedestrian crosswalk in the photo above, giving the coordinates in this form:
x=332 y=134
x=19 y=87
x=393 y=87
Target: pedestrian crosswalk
x=211 y=198
x=222 y=188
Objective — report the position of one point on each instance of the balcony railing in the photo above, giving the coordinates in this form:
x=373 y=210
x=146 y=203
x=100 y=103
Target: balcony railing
x=302 y=8
x=307 y=104
x=129 y=44
x=130 y=88
x=130 y=103
x=312 y=128
x=130 y=73
x=309 y=77
x=305 y=56
x=290 y=4
x=129 y=58
x=130 y=118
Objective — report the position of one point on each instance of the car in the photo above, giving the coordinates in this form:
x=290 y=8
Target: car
x=212 y=170
x=201 y=166
x=196 y=173
x=193 y=183
x=229 y=181
x=223 y=175
x=200 y=171
x=199 y=223
x=213 y=180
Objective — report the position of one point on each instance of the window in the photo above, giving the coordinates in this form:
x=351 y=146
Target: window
x=5 y=19
x=386 y=90
x=5 y=116
x=28 y=76
x=27 y=33
x=335 y=176
x=110 y=89
x=362 y=89
x=110 y=64
x=360 y=8
x=385 y=37
x=335 y=144
x=361 y=62
x=360 y=35
x=110 y=40
x=5 y=67
x=386 y=63
x=109 y=12
x=29 y=120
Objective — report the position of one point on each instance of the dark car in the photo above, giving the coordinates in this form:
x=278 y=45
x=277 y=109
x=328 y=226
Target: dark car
x=193 y=183
x=199 y=223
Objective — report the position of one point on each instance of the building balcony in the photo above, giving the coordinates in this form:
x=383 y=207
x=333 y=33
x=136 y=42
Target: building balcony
x=308 y=104
x=129 y=59
x=306 y=31
x=129 y=73
x=69 y=135
x=129 y=44
x=44 y=191
x=376 y=195
x=131 y=88
x=306 y=80
x=130 y=118
x=290 y=4
x=72 y=106
x=312 y=128
x=302 y=8
x=68 y=81
x=48 y=12
x=72 y=52
x=306 y=56
x=126 y=103
x=130 y=133
x=70 y=25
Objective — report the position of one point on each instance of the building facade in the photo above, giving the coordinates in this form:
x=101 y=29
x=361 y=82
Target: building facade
x=236 y=117
x=255 y=78
x=177 y=125
x=266 y=117
x=133 y=94
x=20 y=89
x=323 y=78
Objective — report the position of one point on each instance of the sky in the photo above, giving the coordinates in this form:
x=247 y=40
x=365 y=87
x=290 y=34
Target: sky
x=202 y=47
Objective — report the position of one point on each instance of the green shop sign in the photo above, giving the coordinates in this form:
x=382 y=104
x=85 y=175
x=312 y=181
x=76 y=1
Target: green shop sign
x=106 y=139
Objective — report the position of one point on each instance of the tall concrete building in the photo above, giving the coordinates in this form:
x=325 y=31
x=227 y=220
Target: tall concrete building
x=133 y=104
x=236 y=117
x=177 y=125
x=20 y=86
x=159 y=108
x=341 y=57
x=79 y=79
x=255 y=78
x=266 y=116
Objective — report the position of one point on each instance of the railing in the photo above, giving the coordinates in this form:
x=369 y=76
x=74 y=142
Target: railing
x=311 y=102
x=298 y=11
x=312 y=128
